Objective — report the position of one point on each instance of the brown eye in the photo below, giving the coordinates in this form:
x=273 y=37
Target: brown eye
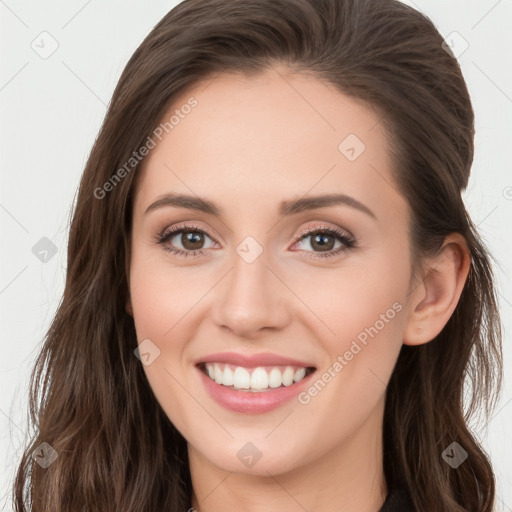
x=324 y=242
x=185 y=241
x=192 y=240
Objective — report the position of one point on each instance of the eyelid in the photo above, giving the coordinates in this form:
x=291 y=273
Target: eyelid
x=176 y=228
x=323 y=227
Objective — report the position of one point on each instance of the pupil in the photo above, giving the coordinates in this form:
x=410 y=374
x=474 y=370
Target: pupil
x=192 y=240
x=321 y=241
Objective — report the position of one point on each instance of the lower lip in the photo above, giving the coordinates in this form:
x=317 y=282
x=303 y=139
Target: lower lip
x=249 y=402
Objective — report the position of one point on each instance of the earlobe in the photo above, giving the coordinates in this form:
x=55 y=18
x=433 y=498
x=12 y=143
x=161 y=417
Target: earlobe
x=434 y=300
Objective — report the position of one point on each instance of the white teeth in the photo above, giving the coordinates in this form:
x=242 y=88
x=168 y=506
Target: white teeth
x=241 y=378
x=288 y=376
x=259 y=380
x=218 y=374
x=299 y=374
x=229 y=376
x=274 y=378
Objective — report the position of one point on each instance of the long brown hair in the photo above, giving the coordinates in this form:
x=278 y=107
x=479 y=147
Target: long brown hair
x=90 y=399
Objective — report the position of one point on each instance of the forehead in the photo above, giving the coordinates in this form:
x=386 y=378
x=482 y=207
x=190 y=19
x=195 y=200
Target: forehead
x=267 y=136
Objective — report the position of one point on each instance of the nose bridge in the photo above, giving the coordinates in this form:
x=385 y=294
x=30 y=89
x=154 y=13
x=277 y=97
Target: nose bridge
x=250 y=298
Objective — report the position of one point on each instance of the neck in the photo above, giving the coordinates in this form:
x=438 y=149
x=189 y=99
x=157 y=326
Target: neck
x=349 y=477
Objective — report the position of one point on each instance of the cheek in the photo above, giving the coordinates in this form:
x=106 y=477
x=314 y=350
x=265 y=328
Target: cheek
x=356 y=297
x=162 y=300
x=362 y=311
x=161 y=295
x=366 y=316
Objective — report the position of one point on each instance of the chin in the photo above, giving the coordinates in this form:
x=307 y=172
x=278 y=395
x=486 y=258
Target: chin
x=258 y=458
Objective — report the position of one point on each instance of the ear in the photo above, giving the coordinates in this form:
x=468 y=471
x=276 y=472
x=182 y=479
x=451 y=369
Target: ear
x=434 y=300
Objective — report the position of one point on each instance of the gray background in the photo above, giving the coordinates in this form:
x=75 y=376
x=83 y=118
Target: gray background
x=51 y=110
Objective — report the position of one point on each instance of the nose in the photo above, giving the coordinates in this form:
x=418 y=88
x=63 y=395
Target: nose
x=251 y=299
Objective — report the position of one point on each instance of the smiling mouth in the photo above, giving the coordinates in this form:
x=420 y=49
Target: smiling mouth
x=255 y=380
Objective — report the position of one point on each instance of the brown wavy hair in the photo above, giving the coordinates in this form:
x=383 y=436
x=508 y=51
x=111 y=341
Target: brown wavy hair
x=90 y=399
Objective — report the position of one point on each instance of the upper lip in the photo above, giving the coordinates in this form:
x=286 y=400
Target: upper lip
x=253 y=360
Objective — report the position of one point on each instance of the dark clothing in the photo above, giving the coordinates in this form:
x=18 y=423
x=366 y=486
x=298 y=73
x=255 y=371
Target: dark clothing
x=397 y=501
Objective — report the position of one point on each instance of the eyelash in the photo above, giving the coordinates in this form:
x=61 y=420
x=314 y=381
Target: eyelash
x=347 y=241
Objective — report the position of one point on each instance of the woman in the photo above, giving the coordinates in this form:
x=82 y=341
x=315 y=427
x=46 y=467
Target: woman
x=275 y=296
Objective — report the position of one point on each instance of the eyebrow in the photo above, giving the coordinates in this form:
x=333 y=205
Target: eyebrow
x=286 y=208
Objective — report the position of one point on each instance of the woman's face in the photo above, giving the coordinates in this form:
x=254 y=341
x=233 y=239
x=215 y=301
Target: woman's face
x=270 y=274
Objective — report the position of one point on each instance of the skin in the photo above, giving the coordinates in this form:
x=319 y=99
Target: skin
x=248 y=145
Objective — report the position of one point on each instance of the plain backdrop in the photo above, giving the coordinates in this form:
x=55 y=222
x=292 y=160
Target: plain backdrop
x=52 y=106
